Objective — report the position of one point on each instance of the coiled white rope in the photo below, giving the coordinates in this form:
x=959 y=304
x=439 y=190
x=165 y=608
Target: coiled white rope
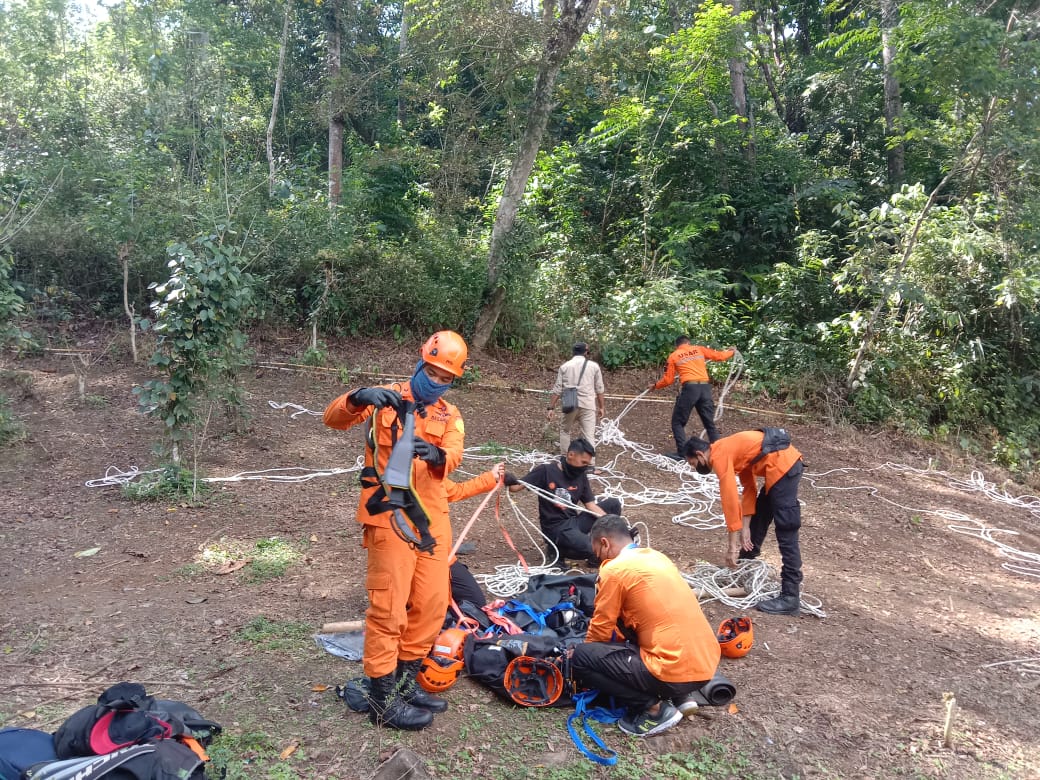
x=276 y=405
x=742 y=588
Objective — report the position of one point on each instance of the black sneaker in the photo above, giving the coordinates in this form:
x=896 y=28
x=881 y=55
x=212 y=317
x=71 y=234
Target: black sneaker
x=646 y=725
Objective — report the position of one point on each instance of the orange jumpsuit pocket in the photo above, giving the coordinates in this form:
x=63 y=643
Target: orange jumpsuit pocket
x=380 y=592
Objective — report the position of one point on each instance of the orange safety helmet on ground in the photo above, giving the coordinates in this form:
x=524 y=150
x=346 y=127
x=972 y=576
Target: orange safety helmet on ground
x=438 y=673
x=736 y=636
x=447 y=350
x=450 y=643
x=533 y=682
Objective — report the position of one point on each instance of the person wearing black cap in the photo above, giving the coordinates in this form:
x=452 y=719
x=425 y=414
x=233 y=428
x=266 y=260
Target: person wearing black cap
x=584 y=374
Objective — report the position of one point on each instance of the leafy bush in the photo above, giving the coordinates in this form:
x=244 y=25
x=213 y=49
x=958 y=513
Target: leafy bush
x=638 y=326
x=171 y=482
x=200 y=346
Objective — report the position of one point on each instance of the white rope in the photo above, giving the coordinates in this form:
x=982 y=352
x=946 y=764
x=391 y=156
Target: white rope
x=742 y=588
x=300 y=409
x=1026 y=665
x=1021 y=562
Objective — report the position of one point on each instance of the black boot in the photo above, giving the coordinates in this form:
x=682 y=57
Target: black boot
x=784 y=604
x=412 y=692
x=389 y=709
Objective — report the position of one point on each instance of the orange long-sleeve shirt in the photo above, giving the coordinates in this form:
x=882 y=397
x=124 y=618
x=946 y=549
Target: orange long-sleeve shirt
x=731 y=458
x=643 y=588
x=688 y=361
x=441 y=426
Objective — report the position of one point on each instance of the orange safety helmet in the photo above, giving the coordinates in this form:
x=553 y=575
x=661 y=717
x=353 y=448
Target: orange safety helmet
x=438 y=673
x=450 y=643
x=447 y=350
x=533 y=682
x=736 y=636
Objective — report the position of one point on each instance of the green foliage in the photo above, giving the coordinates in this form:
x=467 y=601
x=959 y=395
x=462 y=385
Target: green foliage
x=11 y=428
x=12 y=306
x=200 y=346
x=705 y=760
x=171 y=482
x=639 y=326
x=268 y=558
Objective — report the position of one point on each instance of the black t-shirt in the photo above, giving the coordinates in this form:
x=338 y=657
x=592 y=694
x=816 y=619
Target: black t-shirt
x=550 y=478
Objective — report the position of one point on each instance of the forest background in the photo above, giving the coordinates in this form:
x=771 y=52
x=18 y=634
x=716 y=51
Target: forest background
x=847 y=191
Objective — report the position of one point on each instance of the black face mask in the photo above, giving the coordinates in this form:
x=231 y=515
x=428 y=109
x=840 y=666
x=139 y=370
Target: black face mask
x=572 y=472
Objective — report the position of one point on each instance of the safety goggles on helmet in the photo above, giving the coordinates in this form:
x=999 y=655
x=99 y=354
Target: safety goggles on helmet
x=736 y=636
x=533 y=682
x=447 y=350
x=438 y=673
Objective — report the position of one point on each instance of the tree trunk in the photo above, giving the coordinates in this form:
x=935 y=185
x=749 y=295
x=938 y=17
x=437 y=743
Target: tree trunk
x=336 y=122
x=402 y=57
x=893 y=100
x=738 y=89
x=565 y=32
x=277 y=97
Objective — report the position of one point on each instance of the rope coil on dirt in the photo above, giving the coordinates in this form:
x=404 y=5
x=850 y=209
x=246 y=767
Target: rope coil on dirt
x=742 y=588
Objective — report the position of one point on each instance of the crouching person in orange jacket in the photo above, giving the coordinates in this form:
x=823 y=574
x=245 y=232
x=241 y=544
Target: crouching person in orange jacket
x=407 y=586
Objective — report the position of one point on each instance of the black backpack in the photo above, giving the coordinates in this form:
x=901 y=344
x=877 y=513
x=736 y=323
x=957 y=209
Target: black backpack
x=773 y=440
x=166 y=760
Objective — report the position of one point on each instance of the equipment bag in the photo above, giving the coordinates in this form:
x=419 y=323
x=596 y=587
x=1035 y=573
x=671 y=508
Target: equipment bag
x=167 y=760
x=21 y=748
x=569 y=396
x=773 y=440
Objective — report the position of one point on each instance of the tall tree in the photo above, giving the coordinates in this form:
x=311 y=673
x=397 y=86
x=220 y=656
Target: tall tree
x=336 y=120
x=893 y=101
x=278 y=76
x=564 y=30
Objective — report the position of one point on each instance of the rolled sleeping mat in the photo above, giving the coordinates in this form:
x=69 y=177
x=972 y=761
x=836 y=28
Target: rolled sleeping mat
x=717 y=692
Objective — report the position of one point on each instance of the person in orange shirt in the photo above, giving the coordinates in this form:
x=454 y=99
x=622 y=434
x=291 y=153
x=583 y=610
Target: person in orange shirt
x=687 y=362
x=666 y=649
x=407 y=586
x=748 y=518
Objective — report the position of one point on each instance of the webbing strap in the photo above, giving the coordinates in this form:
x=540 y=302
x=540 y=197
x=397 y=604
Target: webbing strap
x=597 y=714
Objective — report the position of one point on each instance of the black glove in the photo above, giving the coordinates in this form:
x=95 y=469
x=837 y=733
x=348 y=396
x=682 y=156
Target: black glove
x=375 y=396
x=431 y=453
x=509 y=478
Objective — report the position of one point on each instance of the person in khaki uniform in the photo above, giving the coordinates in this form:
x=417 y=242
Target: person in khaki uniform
x=648 y=642
x=587 y=376
x=407 y=588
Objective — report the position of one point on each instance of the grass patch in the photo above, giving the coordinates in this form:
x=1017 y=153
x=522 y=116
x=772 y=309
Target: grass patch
x=251 y=756
x=170 y=482
x=706 y=760
x=275 y=634
x=268 y=558
x=494 y=448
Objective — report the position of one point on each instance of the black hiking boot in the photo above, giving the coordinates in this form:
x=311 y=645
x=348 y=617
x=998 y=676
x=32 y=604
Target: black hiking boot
x=784 y=604
x=412 y=692
x=390 y=710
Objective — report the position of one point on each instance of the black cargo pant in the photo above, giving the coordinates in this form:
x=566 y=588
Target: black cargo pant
x=781 y=508
x=694 y=395
x=616 y=669
x=571 y=536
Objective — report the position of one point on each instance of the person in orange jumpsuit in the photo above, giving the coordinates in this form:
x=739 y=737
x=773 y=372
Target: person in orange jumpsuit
x=666 y=649
x=687 y=362
x=748 y=518
x=407 y=587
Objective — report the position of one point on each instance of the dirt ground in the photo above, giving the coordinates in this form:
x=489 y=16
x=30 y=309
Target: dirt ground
x=914 y=610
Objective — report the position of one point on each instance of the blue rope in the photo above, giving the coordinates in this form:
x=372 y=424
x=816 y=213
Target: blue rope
x=583 y=713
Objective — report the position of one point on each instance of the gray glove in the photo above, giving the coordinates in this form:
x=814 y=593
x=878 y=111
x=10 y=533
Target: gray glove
x=375 y=396
x=431 y=453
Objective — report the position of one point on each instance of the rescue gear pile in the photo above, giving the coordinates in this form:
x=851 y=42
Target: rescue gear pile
x=127 y=735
